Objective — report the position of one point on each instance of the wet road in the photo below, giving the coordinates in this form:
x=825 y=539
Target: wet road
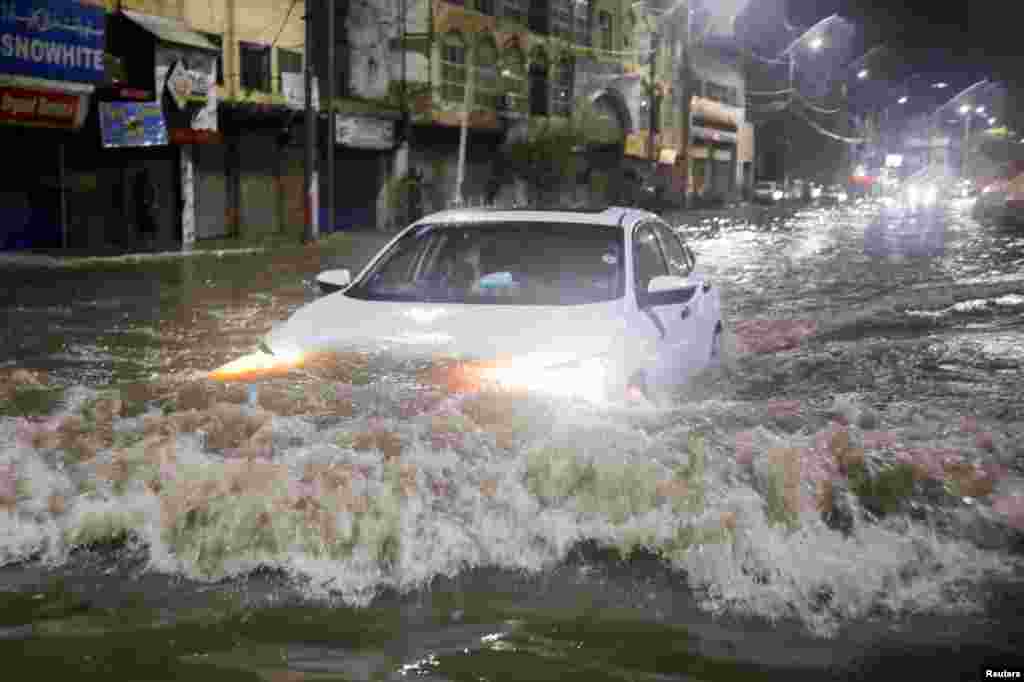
x=860 y=340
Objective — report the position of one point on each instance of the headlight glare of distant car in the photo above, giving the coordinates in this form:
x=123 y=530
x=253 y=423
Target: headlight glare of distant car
x=777 y=195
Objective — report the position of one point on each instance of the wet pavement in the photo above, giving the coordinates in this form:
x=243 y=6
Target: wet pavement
x=843 y=496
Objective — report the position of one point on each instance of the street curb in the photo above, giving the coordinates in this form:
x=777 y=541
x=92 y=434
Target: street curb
x=36 y=260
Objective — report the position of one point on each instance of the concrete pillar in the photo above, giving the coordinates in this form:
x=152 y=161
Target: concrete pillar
x=188 y=196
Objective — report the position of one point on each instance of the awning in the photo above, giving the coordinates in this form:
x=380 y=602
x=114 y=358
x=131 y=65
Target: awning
x=171 y=31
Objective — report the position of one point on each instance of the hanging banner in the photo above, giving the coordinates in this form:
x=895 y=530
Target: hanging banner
x=186 y=86
x=132 y=124
x=58 y=40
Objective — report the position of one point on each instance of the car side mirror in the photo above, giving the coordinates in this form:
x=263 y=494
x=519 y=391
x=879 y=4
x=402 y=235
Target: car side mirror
x=330 y=281
x=667 y=290
x=663 y=283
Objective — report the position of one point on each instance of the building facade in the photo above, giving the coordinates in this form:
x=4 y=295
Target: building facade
x=189 y=125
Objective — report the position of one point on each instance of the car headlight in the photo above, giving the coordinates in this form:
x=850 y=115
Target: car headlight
x=583 y=378
x=776 y=195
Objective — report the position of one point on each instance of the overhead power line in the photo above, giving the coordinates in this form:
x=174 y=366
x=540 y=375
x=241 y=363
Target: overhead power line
x=828 y=133
x=814 y=107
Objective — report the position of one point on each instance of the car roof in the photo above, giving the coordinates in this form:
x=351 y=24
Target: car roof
x=613 y=216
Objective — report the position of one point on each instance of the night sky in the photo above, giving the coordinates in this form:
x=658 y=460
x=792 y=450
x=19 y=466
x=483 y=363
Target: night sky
x=957 y=41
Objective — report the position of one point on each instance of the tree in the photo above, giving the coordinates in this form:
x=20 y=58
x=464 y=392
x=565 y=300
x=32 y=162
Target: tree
x=547 y=156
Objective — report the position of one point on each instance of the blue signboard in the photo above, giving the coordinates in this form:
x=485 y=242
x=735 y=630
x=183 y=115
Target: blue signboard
x=132 y=124
x=59 y=40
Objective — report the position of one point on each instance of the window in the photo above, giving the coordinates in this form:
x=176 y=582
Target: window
x=485 y=6
x=648 y=262
x=604 y=21
x=255 y=63
x=453 y=68
x=513 y=79
x=288 y=61
x=219 y=42
x=542 y=263
x=540 y=11
x=539 y=92
x=721 y=93
x=515 y=10
x=561 y=18
x=678 y=262
x=487 y=92
x=581 y=21
x=562 y=96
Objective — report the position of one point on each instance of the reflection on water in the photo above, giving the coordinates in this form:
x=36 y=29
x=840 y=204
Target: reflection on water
x=855 y=460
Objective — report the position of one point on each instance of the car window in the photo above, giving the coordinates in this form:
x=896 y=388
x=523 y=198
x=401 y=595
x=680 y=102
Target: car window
x=511 y=263
x=648 y=261
x=678 y=264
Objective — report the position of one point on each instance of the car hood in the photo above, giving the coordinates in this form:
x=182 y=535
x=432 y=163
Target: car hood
x=483 y=331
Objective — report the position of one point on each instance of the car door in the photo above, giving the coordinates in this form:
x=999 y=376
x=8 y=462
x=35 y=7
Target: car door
x=706 y=305
x=668 y=311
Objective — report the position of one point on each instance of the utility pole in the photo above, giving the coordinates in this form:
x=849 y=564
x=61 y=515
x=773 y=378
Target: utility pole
x=966 y=151
x=788 y=126
x=685 y=83
x=467 y=104
x=310 y=232
x=653 y=98
x=332 y=120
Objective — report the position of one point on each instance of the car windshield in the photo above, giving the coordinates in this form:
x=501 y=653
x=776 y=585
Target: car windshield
x=500 y=263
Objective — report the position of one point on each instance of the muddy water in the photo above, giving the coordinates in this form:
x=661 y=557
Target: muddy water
x=839 y=498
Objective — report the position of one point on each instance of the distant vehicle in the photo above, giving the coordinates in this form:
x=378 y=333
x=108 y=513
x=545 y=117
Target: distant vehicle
x=814 y=191
x=795 y=191
x=1001 y=202
x=598 y=305
x=768 y=192
x=834 y=194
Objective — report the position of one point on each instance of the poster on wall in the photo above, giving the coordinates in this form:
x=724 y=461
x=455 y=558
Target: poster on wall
x=60 y=40
x=363 y=132
x=186 y=86
x=132 y=124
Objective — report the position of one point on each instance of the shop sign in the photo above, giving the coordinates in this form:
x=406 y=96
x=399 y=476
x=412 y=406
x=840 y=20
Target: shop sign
x=714 y=135
x=363 y=132
x=132 y=124
x=715 y=111
x=29 y=106
x=58 y=40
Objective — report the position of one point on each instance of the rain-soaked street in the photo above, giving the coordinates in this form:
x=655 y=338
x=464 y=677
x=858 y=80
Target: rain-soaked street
x=843 y=498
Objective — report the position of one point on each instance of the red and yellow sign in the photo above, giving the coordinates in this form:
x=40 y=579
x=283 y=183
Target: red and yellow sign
x=714 y=111
x=42 y=108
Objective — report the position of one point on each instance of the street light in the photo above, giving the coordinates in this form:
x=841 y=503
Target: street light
x=902 y=100
x=940 y=85
x=817 y=43
x=964 y=109
x=980 y=110
x=992 y=121
x=862 y=74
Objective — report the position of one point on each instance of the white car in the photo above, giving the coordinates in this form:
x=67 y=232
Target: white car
x=768 y=192
x=601 y=305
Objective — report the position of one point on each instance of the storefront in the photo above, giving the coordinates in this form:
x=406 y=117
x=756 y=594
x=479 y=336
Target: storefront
x=157 y=117
x=51 y=58
x=714 y=138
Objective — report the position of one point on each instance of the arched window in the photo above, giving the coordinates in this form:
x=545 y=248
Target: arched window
x=513 y=79
x=453 y=68
x=515 y=10
x=539 y=92
x=487 y=88
x=561 y=98
x=561 y=19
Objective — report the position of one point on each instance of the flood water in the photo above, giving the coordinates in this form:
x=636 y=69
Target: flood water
x=842 y=498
